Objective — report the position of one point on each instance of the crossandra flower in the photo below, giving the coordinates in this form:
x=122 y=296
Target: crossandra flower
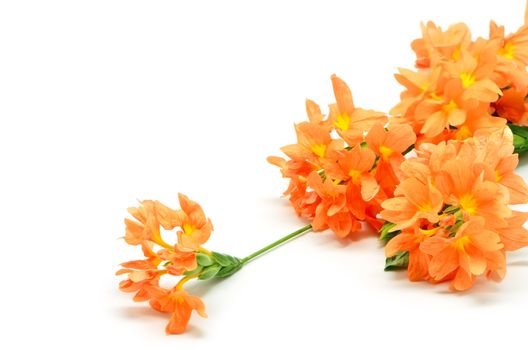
x=468 y=230
x=338 y=187
x=177 y=259
x=465 y=86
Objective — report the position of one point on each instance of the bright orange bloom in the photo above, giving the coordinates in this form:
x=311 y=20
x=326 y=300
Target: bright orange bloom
x=177 y=259
x=148 y=227
x=180 y=304
x=410 y=241
x=389 y=145
x=314 y=143
x=472 y=194
x=196 y=228
x=414 y=200
x=468 y=254
x=514 y=236
x=332 y=211
x=512 y=106
x=351 y=122
x=437 y=45
x=354 y=166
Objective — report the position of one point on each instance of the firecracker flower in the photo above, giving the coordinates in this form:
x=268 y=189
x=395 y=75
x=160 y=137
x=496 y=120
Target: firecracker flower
x=463 y=86
x=437 y=179
x=344 y=166
x=184 y=256
x=450 y=218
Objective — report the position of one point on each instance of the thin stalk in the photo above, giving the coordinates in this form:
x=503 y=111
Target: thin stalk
x=276 y=243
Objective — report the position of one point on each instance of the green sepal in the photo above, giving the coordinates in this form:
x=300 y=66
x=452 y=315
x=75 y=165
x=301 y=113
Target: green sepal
x=385 y=235
x=397 y=262
x=209 y=272
x=196 y=271
x=520 y=138
x=227 y=271
x=204 y=259
x=224 y=259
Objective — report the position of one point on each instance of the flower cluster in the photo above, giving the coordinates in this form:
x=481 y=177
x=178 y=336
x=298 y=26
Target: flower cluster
x=186 y=258
x=450 y=218
x=463 y=85
x=343 y=165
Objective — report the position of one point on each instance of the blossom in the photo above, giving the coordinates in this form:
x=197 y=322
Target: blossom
x=466 y=255
x=410 y=241
x=180 y=304
x=389 y=145
x=181 y=258
x=350 y=122
x=413 y=201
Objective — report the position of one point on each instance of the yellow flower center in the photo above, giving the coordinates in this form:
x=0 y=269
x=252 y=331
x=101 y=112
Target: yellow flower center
x=188 y=228
x=468 y=79
x=425 y=207
x=463 y=133
x=461 y=243
x=385 y=152
x=498 y=176
x=355 y=175
x=319 y=150
x=342 y=122
x=429 y=232
x=469 y=204
x=448 y=108
x=435 y=97
x=456 y=54
x=507 y=51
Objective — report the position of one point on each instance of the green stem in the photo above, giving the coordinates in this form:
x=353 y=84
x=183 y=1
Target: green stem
x=276 y=243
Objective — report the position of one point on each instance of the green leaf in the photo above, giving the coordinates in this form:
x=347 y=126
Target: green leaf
x=519 y=130
x=209 y=272
x=385 y=235
x=397 y=262
x=193 y=272
x=204 y=259
x=224 y=259
x=227 y=271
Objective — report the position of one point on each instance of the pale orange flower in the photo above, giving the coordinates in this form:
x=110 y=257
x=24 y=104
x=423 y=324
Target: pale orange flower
x=332 y=211
x=468 y=254
x=409 y=241
x=514 y=236
x=472 y=194
x=389 y=145
x=354 y=166
x=437 y=45
x=414 y=200
x=350 y=122
x=196 y=228
x=313 y=143
x=180 y=304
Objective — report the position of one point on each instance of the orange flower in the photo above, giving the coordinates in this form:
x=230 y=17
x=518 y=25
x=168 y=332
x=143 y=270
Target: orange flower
x=354 y=166
x=418 y=268
x=514 y=236
x=144 y=275
x=147 y=228
x=314 y=142
x=196 y=228
x=389 y=145
x=512 y=106
x=414 y=200
x=180 y=304
x=472 y=194
x=468 y=254
x=437 y=45
x=351 y=122
x=332 y=211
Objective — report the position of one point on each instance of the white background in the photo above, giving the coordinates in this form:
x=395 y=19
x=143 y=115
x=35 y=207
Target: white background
x=103 y=102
